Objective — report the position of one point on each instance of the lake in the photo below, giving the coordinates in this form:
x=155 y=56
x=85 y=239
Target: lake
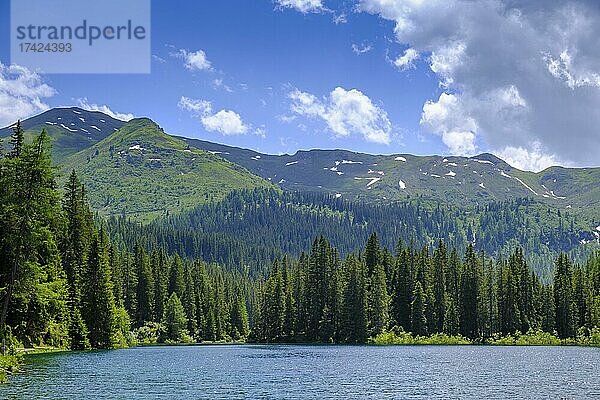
x=305 y=372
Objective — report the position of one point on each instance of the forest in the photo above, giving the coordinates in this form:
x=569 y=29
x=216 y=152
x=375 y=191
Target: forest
x=69 y=279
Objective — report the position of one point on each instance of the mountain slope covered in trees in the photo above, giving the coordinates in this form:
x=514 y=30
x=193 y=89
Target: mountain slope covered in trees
x=249 y=229
x=65 y=282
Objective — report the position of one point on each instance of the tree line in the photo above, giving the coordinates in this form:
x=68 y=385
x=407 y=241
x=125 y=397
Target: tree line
x=322 y=298
x=69 y=279
x=254 y=227
x=64 y=283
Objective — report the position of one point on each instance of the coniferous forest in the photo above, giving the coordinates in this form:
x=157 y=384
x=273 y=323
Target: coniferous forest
x=70 y=279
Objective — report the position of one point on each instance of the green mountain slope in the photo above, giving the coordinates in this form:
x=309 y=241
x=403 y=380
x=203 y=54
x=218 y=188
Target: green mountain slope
x=142 y=172
x=457 y=180
x=70 y=129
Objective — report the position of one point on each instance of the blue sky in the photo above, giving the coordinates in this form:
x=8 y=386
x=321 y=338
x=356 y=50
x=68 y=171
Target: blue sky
x=278 y=76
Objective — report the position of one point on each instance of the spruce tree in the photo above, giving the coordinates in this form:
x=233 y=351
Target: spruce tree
x=563 y=297
x=417 y=316
x=99 y=303
x=175 y=320
x=378 y=302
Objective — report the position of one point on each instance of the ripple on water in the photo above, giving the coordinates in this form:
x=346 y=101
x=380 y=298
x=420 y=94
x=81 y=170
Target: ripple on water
x=299 y=372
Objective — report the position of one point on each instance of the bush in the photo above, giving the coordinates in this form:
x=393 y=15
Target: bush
x=531 y=338
x=150 y=333
x=399 y=337
x=8 y=364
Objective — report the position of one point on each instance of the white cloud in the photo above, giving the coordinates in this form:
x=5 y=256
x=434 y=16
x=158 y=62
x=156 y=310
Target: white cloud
x=21 y=93
x=445 y=118
x=304 y=6
x=519 y=72
x=196 y=107
x=345 y=112
x=194 y=60
x=83 y=103
x=526 y=159
x=406 y=61
x=561 y=67
x=361 y=48
x=226 y=122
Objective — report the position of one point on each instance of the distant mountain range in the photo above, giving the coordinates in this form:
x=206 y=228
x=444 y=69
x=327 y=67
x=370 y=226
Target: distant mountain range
x=137 y=169
x=457 y=180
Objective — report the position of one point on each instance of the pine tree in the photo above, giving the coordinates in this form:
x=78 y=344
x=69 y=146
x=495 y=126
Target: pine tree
x=378 y=302
x=355 y=303
x=145 y=287
x=417 y=316
x=176 y=279
x=29 y=256
x=469 y=295
x=563 y=297
x=17 y=141
x=239 y=317
x=175 y=320
x=99 y=303
x=74 y=249
x=439 y=287
x=402 y=290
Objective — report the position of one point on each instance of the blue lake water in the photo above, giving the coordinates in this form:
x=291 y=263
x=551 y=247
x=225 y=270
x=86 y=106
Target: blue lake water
x=312 y=372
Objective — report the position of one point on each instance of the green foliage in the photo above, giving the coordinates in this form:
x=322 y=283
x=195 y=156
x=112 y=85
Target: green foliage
x=9 y=364
x=531 y=338
x=484 y=300
x=175 y=320
x=249 y=229
x=398 y=337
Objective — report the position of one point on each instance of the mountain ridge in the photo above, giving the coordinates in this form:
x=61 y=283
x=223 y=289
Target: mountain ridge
x=463 y=181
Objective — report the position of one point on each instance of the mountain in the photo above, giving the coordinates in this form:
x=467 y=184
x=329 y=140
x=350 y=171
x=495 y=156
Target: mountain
x=71 y=129
x=142 y=172
x=83 y=140
x=457 y=180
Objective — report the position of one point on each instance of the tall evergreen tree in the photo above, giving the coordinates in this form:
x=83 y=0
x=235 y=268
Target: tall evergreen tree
x=563 y=297
x=417 y=316
x=99 y=304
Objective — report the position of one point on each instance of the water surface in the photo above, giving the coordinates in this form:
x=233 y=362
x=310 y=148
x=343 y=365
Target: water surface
x=310 y=372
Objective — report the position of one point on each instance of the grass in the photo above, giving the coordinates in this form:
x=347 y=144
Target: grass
x=142 y=172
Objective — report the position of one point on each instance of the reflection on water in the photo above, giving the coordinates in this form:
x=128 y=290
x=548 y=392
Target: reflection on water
x=300 y=372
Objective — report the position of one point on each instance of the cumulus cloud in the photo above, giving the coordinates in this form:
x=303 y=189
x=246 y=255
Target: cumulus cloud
x=226 y=122
x=21 y=93
x=406 y=61
x=520 y=75
x=345 y=112
x=194 y=60
x=531 y=158
x=304 y=6
x=83 y=103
